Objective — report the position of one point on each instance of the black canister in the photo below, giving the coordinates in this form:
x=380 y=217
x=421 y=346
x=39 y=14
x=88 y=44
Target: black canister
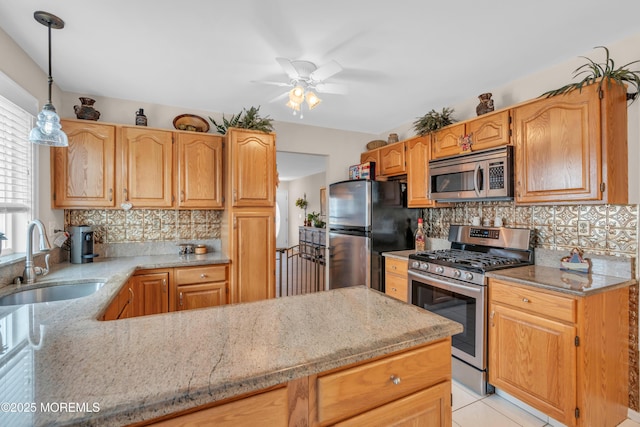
x=141 y=119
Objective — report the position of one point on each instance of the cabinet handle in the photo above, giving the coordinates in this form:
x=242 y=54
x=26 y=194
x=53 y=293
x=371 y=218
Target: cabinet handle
x=202 y=276
x=525 y=299
x=235 y=195
x=394 y=289
x=111 y=194
x=182 y=196
x=126 y=195
x=493 y=313
x=164 y=285
x=395 y=380
x=132 y=294
x=180 y=302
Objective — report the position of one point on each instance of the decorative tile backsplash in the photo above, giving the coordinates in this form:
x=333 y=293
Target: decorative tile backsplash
x=147 y=225
x=610 y=229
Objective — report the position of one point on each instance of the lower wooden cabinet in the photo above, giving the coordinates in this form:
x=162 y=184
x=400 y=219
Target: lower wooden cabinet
x=396 y=278
x=408 y=388
x=202 y=286
x=151 y=292
x=170 y=289
x=564 y=355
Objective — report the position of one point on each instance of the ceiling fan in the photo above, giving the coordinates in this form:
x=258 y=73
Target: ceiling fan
x=305 y=78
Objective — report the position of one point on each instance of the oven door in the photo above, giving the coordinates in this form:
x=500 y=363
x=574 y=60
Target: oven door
x=462 y=302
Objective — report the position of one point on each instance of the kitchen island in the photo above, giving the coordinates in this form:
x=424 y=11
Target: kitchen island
x=83 y=371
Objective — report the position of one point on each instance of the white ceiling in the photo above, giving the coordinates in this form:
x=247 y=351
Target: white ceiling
x=400 y=58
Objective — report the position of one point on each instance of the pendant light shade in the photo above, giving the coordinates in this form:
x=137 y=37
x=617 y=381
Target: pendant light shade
x=48 y=130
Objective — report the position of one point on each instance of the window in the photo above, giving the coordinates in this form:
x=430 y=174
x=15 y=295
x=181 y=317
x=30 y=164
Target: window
x=16 y=183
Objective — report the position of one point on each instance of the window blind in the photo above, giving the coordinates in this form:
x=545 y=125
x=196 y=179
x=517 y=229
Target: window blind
x=15 y=158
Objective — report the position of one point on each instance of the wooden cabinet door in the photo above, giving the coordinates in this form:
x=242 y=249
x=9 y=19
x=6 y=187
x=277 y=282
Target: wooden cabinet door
x=252 y=167
x=445 y=141
x=202 y=295
x=199 y=171
x=372 y=156
x=426 y=408
x=534 y=359
x=418 y=156
x=151 y=293
x=83 y=174
x=147 y=161
x=392 y=159
x=489 y=130
x=557 y=149
x=254 y=253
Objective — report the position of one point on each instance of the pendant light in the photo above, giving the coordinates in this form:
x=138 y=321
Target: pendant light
x=48 y=130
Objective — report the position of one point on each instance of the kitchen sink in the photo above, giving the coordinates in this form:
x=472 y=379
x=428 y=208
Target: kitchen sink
x=56 y=292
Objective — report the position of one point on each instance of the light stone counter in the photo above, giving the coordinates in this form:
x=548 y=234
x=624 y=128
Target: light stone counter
x=554 y=279
x=401 y=255
x=124 y=371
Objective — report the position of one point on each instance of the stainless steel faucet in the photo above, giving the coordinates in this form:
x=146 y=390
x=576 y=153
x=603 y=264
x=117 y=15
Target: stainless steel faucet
x=31 y=271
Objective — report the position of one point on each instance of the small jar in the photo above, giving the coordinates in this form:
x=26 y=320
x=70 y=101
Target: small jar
x=141 y=119
x=201 y=249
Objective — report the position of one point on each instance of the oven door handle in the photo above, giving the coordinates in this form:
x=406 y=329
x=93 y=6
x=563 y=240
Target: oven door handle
x=470 y=290
x=476 y=180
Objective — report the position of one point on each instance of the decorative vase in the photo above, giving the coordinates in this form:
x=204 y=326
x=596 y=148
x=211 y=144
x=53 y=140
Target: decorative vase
x=486 y=104
x=393 y=137
x=86 y=110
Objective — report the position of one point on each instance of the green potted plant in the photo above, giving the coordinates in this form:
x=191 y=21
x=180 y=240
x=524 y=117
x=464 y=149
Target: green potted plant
x=246 y=119
x=2 y=237
x=314 y=220
x=433 y=120
x=302 y=203
x=593 y=72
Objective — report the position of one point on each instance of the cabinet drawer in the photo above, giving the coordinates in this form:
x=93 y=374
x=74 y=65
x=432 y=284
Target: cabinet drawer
x=396 y=286
x=351 y=391
x=204 y=274
x=530 y=299
x=397 y=266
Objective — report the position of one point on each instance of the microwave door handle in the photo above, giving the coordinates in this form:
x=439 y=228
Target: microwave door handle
x=476 y=180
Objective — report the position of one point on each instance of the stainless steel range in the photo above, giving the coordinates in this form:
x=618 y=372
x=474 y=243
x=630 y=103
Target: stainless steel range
x=452 y=283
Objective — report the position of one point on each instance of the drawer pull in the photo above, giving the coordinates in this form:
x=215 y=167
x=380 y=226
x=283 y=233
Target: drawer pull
x=202 y=276
x=525 y=299
x=395 y=380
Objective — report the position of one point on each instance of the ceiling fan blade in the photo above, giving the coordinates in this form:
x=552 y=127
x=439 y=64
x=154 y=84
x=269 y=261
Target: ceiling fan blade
x=288 y=68
x=335 y=88
x=279 y=97
x=266 y=82
x=325 y=71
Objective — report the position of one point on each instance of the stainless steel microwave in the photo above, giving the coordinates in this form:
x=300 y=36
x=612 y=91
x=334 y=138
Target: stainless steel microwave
x=484 y=175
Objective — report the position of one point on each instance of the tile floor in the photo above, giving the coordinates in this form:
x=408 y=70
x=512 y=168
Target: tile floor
x=473 y=410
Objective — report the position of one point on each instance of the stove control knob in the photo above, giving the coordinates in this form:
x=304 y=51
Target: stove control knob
x=424 y=266
x=456 y=273
x=415 y=264
x=468 y=276
x=440 y=270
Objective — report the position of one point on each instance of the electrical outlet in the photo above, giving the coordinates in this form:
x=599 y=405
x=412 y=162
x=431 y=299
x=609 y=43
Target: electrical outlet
x=52 y=227
x=584 y=228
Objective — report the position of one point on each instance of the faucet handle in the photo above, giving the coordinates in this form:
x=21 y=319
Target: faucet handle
x=43 y=271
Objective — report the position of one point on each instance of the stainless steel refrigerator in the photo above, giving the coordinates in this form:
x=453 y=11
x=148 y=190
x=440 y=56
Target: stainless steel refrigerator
x=366 y=218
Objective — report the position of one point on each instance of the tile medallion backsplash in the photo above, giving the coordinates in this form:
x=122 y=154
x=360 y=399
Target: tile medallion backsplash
x=147 y=225
x=605 y=229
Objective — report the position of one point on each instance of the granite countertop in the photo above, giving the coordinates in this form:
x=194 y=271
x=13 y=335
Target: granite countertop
x=555 y=279
x=124 y=371
x=403 y=255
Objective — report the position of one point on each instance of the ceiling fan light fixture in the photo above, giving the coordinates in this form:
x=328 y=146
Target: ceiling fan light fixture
x=296 y=95
x=312 y=100
x=48 y=130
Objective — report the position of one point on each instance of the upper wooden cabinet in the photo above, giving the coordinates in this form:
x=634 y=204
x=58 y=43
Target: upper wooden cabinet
x=570 y=148
x=393 y=159
x=83 y=174
x=253 y=172
x=371 y=156
x=199 y=171
x=489 y=130
x=418 y=156
x=147 y=160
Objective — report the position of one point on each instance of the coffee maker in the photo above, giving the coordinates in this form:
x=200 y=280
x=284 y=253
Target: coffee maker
x=81 y=244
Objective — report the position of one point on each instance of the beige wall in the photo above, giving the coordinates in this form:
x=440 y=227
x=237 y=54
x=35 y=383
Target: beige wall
x=297 y=188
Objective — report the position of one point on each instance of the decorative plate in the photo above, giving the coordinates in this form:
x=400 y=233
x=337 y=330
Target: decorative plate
x=191 y=122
